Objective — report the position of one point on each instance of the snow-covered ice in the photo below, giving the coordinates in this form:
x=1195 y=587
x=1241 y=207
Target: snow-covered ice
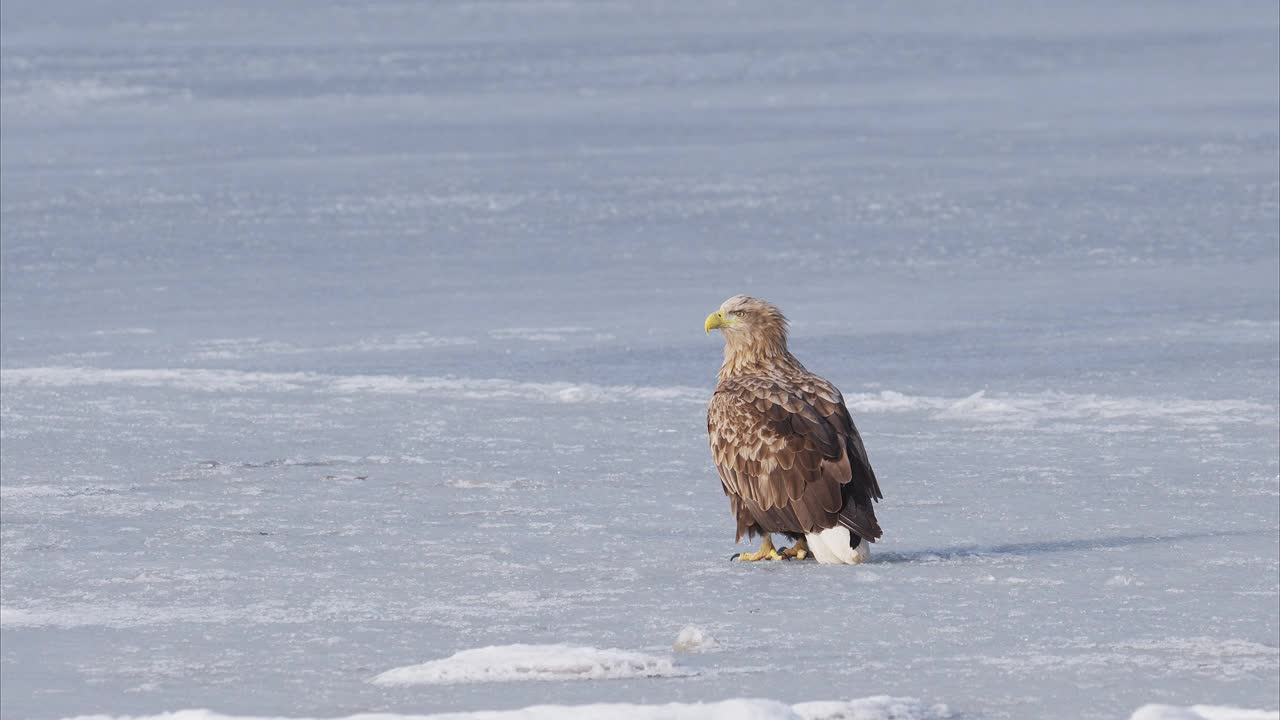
x=513 y=663
x=337 y=338
x=871 y=708
x=1201 y=712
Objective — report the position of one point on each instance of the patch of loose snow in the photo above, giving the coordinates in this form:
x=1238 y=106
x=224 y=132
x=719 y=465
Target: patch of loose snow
x=85 y=615
x=1219 y=657
x=402 y=342
x=878 y=707
x=511 y=663
x=193 y=379
x=9 y=492
x=71 y=94
x=77 y=486
x=122 y=615
x=694 y=639
x=1227 y=657
x=485 y=389
x=1201 y=712
x=873 y=708
x=125 y=331
x=465 y=484
x=14 y=617
x=238 y=348
x=547 y=334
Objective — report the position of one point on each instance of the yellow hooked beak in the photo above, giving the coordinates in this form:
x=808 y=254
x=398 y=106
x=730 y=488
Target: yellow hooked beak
x=714 y=321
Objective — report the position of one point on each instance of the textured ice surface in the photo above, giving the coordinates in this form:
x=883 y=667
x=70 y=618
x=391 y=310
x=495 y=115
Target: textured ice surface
x=339 y=338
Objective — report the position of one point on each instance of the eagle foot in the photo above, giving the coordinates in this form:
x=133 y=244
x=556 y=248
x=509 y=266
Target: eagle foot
x=799 y=551
x=766 y=552
x=756 y=556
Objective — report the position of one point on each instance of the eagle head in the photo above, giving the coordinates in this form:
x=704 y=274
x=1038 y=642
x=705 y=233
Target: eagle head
x=749 y=324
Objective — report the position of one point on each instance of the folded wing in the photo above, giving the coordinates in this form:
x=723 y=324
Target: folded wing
x=790 y=457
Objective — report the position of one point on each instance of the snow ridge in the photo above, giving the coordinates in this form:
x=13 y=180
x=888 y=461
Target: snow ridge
x=513 y=663
x=1024 y=410
x=1201 y=712
x=882 y=707
x=216 y=380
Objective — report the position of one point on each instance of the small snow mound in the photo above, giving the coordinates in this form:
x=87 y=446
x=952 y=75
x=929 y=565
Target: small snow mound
x=885 y=401
x=511 y=663
x=979 y=406
x=124 y=331
x=694 y=639
x=1201 y=712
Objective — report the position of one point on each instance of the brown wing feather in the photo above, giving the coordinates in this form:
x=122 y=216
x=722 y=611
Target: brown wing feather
x=790 y=458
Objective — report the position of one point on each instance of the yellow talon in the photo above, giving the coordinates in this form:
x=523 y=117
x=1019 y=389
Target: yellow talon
x=799 y=551
x=766 y=552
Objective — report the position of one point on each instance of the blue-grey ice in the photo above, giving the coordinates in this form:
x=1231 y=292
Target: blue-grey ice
x=344 y=338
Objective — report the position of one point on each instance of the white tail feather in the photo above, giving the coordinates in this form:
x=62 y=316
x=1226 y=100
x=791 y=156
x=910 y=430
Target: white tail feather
x=831 y=546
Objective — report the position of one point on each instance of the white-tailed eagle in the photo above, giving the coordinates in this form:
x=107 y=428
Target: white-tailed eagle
x=789 y=457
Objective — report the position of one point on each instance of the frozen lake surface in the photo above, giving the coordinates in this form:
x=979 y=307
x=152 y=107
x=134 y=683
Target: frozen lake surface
x=341 y=339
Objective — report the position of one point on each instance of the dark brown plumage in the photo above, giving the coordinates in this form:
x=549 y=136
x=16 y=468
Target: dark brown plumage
x=789 y=456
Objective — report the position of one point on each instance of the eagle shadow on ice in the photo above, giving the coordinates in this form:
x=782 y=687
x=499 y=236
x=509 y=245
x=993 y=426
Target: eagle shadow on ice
x=1045 y=547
